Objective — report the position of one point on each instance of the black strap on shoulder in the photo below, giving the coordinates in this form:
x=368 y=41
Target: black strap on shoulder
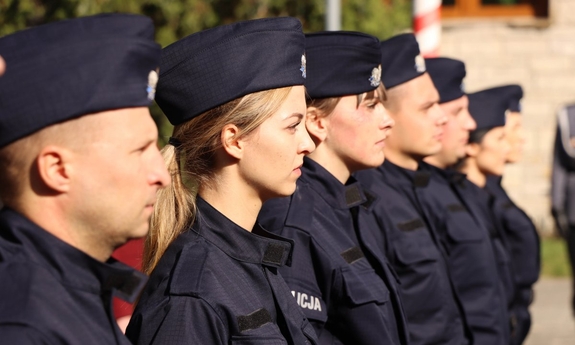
x=352 y=254
x=353 y=195
x=274 y=254
x=456 y=208
x=254 y=320
x=421 y=178
x=411 y=225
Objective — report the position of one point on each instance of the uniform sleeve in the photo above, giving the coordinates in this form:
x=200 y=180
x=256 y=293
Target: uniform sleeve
x=188 y=320
x=22 y=335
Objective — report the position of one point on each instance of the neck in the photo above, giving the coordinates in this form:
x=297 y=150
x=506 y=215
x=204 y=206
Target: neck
x=402 y=160
x=473 y=173
x=225 y=194
x=331 y=162
x=436 y=162
x=62 y=226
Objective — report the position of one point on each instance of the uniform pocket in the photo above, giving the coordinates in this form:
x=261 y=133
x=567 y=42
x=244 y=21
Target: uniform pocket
x=461 y=227
x=415 y=247
x=364 y=286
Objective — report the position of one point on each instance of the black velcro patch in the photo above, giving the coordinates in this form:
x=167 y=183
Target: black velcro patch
x=353 y=195
x=352 y=254
x=421 y=178
x=508 y=205
x=274 y=254
x=254 y=320
x=411 y=225
x=456 y=208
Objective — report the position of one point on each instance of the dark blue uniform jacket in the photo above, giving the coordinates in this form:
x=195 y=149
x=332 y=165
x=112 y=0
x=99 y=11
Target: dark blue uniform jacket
x=484 y=205
x=471 y=258
x=523 y=242
x=52 y=293
x=432 y=308
x=219 y=284
x=348 y=300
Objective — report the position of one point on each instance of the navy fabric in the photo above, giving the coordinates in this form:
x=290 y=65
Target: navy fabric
x=401 y=60
x=219 y=284
x=471 y=258
x=488 y=109
x=342 y=63
x=354 y=302
x=215 y=66
x=55 y=294
x=523 y=241
x=447 y=75
x=482 y=201
x=513 y=93
x=431 y=304
x=71 y=68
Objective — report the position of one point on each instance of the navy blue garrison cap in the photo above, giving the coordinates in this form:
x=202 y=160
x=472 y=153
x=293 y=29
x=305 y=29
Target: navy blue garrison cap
x=342 y=63
x=401 y=60
x=63 y=70
x=212 y=67
x=488 y=108
x=447 y=75
x=512 y=93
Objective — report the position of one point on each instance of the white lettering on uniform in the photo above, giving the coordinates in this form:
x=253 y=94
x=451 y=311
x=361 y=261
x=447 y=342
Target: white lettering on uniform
x=307 y=302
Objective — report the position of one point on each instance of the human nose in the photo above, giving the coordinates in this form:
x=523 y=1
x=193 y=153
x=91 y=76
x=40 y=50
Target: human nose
x=306 y=145
x=159 y=173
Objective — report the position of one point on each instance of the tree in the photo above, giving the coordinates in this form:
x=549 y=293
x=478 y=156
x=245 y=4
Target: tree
x=175 y=19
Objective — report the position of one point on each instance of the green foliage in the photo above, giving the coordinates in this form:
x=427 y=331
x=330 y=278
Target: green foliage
x=554 y=260
x=175 y=19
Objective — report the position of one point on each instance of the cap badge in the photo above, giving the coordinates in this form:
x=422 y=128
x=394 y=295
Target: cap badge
x=152 y=82
x=375 y=78
x=419 y=64
x=303 y=68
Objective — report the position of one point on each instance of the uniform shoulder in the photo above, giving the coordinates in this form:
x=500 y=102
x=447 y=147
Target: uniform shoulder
x=34 y=293
x=295 y=211
x=23 y=335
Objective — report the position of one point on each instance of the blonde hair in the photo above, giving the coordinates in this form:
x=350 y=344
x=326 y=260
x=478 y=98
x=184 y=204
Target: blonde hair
x=192 y=164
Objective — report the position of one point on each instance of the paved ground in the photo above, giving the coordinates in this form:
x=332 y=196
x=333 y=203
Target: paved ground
x=553 y=323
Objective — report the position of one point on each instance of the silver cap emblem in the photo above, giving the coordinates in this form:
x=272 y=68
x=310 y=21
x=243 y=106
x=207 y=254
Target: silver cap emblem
x=375 y=78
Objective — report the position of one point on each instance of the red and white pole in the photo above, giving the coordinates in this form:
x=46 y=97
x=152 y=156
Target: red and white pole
x=427 y=26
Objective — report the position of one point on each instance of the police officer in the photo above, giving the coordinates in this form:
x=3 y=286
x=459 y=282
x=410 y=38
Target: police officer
x=238 y=107
x=466 y=240
x=79 y=173
x=405 y=234
x=349 y=295
x=563 y=183
x=518 y=228
x=486 y=155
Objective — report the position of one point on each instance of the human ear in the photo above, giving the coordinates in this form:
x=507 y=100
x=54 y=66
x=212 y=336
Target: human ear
x=55 y=168
x=316 y=124
x=231 y=144
x=472 y=149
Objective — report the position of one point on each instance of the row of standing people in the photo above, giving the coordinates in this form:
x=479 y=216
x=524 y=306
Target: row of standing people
x=337 y=213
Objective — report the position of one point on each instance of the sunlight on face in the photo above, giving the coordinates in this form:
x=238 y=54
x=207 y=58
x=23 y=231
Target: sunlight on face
x=418 y=118
x=118 y=174
x=357 y=133
x=515 y=135
x=275 y=150
x=455 y=131
x=493 y=151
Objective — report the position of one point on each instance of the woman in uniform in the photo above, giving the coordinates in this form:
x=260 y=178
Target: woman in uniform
x=344 y=287
x=235 y=95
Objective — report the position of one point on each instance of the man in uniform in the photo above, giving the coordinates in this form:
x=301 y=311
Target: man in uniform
x=79 y=170
x=466 y=240
x=432 y=307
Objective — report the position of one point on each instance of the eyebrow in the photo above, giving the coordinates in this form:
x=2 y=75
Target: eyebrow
x=429 y=104
x=298 y=115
